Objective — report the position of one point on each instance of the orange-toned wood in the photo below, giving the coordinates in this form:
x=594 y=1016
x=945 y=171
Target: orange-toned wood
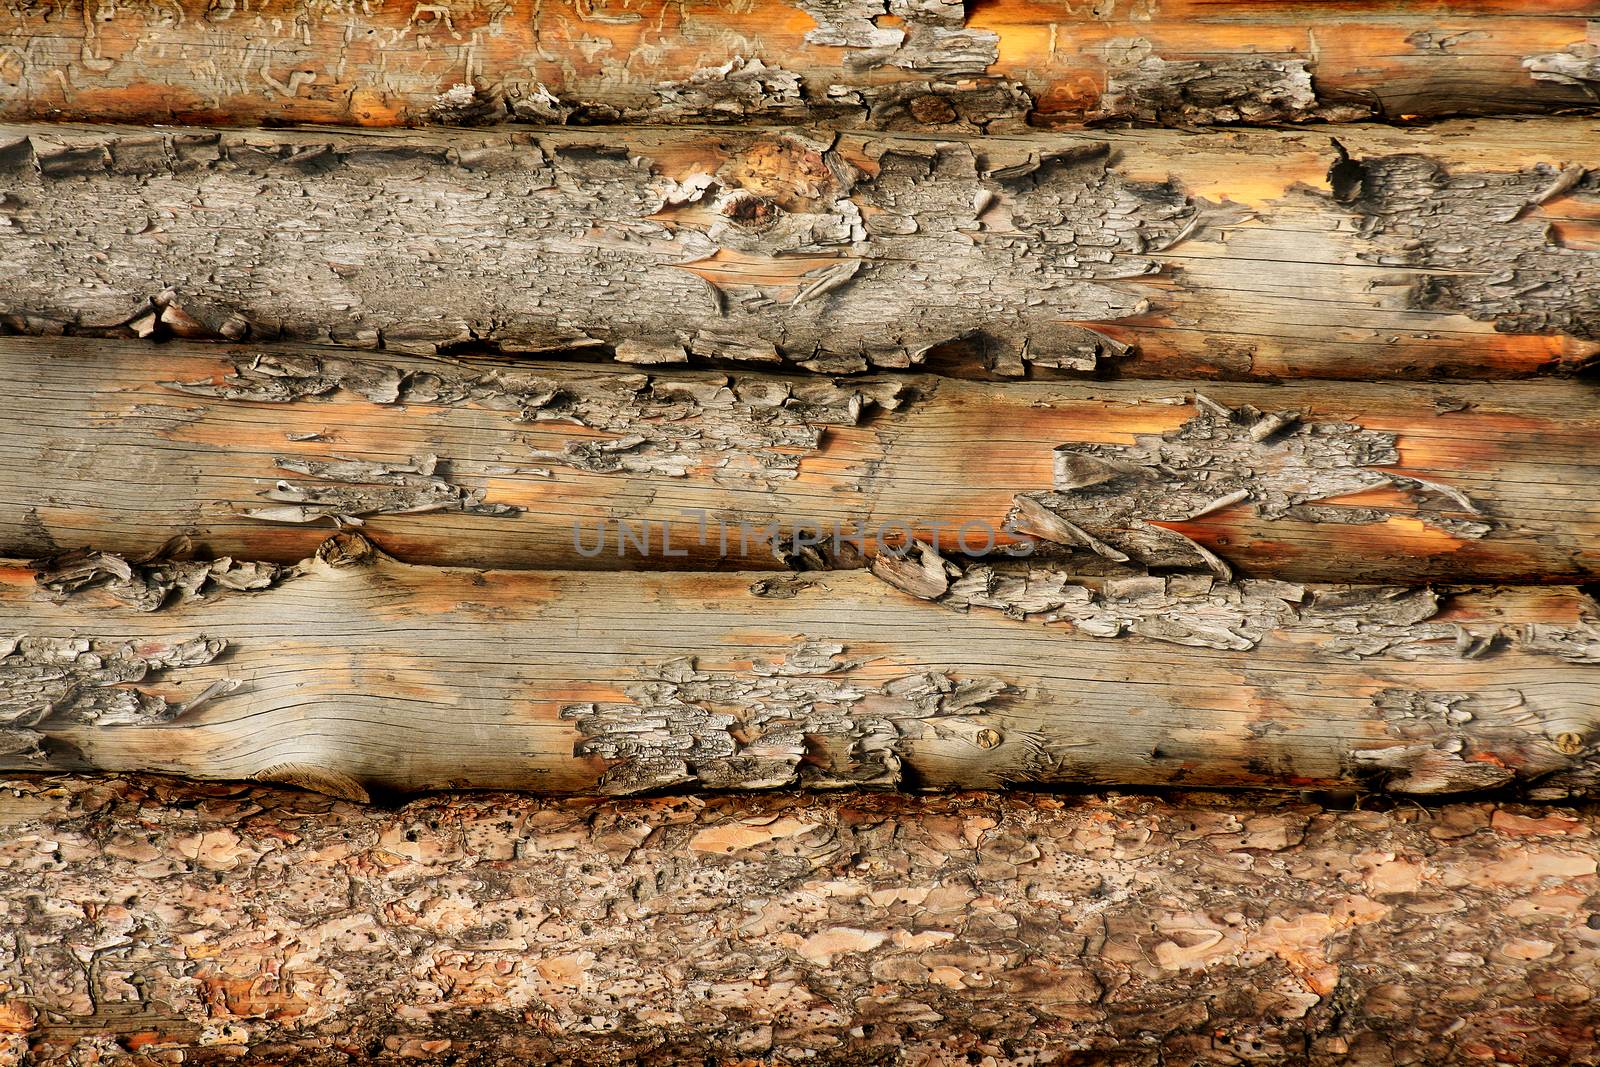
x=286 y=61
x=96 y=450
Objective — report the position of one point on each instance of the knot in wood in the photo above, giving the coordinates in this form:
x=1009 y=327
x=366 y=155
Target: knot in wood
x=345 y=549
x=748 y=209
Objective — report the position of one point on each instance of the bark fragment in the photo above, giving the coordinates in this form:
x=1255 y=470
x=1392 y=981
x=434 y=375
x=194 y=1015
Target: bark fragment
x=1109 y=498
x=1218 y=92
x=1577 y=65
x=931 y=36
x=52 y=683
x=1452 y=763
x=347 y=491
x=784 y=723
x=148 y=582
x=1497 y=261
x=1197 y=610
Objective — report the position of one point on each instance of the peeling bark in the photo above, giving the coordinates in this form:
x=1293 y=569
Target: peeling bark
x=921 y=64
x=355 y=673
x=1513 y=276
x=121 y=445
x=1058 y=253
x=1219 y=92
x=1109 y=498
x=1576 y=66
x=228 y=923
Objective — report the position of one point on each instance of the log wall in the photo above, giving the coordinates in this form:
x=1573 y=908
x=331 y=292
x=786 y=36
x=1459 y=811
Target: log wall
x=1257 y=337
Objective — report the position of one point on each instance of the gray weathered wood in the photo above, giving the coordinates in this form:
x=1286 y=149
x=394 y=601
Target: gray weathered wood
x=1466 y=248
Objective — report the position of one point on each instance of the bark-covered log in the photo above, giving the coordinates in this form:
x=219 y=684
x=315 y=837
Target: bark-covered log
x=257 y=451
x=921 y=64
x=353 y=672
x=144 y=921
x=1467 y=249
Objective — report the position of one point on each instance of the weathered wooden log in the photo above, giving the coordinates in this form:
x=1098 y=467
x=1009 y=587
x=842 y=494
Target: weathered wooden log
x=256 y=452
x=147 y=921
x=352 y=672
x=1465 y=249
x=922 y=64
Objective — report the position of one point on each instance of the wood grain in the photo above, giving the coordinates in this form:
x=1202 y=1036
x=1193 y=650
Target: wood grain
x=122 y=445
x=353 y=673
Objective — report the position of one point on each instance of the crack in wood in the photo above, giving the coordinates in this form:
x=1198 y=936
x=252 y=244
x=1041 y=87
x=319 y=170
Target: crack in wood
x=149 y=582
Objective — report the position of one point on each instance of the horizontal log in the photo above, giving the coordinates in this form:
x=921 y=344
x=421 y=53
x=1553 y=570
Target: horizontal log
x=1467 y=249
x=257 y=452
x=230 y=924
x=886 y=63
x=352 y=672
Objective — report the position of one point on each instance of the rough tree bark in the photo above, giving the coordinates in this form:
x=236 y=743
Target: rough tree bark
x=1464 y=249
x=921 y=64
x=352 y=672
x=257 y=451
x=145 y=921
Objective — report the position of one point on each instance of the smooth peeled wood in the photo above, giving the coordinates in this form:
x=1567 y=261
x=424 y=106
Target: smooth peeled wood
x=920 y=64
x=1466 y=249
x=233 y=924
x=256 y=452
x=353 y=672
